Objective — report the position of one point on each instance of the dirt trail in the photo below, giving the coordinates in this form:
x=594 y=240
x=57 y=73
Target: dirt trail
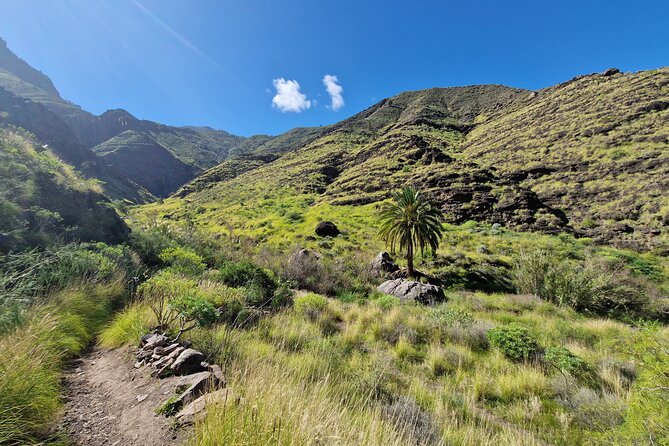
x=109 y=403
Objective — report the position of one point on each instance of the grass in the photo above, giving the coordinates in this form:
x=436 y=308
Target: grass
x=33 y=354
x=359 y=373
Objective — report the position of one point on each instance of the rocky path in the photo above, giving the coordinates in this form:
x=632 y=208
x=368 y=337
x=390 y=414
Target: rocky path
x=109 y=403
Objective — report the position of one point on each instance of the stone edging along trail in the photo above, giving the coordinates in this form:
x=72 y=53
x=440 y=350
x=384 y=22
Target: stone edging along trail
x=110 y=402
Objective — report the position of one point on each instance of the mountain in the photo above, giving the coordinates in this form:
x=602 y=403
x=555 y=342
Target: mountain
x=28 y=99
x=145 y=162
x=587 y=157
x=43 y=200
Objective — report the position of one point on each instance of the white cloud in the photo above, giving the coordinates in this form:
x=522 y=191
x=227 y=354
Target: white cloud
x=334 y=90
x=288 y=97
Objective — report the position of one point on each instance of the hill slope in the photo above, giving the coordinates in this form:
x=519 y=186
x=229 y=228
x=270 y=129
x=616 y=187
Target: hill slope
x=145 y=162
x=587 y=157
x=43 y=200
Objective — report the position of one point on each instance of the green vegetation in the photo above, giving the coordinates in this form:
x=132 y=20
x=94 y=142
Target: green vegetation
x=45 y=201
x=411 y=223
x=53 y=303
x=514 y=341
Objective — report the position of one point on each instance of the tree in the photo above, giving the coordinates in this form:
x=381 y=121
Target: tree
x=410 y=222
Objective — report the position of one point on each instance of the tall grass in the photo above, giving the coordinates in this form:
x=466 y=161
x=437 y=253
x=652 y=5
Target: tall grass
x=33 y=354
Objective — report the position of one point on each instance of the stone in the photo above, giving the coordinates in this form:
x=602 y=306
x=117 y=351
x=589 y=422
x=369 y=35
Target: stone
x=170 y=348
x=327 y=229
x=409 y=290
x=156 y=340
x=143 y=354
x=383 y=263
x=189 y=361
x=174 y=354
x=192 y=386
x=196 y=409
x=216 y=371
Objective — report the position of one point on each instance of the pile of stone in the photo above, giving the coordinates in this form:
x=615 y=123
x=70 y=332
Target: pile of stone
x=198 y=377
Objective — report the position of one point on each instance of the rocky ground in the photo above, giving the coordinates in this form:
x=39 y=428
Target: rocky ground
x=111 y=403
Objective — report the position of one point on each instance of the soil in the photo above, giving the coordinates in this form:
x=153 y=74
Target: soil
x=110 y=403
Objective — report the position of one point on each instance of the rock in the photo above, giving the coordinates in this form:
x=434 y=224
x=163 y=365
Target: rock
x=409 y=290
x=192 y=386
x=156 y=340
x=158 y=351
x=383 y=263
x=144 y=354
x=189 y=361
x=327 y=229
x=611 y=72
x=170 y=348
x=218 y=374
x=195 y=410
x=176 y=352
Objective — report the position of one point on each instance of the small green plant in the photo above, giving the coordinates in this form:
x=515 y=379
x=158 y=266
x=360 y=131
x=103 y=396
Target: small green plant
x=310 y=304
x=386 y=301
x=169 y=407
x=514 y=341
x=568 y=362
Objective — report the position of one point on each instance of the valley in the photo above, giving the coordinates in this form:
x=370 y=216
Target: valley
x=536 y=315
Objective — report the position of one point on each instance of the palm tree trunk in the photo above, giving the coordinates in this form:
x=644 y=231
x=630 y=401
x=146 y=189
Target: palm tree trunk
x=410 y=271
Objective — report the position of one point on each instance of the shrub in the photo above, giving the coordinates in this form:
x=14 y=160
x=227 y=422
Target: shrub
x=566 y=361
x=160 y=289
x=600 y=287
x=248 y=275
x=149 y=243
x=183 y=260
x=514 y=341
x=192 y=311
x=310 y=304
x=386 y=301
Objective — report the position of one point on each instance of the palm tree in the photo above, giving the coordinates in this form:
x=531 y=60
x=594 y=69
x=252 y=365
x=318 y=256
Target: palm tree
x=410 y=222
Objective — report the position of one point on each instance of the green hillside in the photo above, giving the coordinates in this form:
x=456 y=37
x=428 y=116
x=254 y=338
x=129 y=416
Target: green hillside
x=44 y=201
x=586 y=157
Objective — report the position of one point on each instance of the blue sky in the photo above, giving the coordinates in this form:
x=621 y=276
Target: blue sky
x=219 y=62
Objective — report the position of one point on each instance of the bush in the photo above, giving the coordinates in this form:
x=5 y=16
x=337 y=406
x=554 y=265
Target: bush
x=514 y=341
x=246 y=274
x=599 y=287
x=192 y=311
x=183 y=260
x=568 y=362
x=160 y=289
x=385 y=301
x=311 y=305
x=149 y=243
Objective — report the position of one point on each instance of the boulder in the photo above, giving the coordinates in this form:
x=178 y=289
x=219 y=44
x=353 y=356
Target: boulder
x=196 y=409
x=409 y=290
x=327 y=229
x=189 y=361
x=383 y=263
x=195 y=385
